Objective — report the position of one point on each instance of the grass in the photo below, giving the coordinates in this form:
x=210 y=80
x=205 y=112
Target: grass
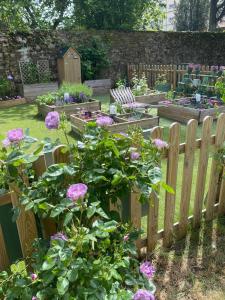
x=195 y=267
x=25 y=116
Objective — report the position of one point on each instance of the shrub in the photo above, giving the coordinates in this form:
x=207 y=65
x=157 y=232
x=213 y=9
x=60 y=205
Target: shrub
x=94 y=58
x=75 y=90
x=140 y=85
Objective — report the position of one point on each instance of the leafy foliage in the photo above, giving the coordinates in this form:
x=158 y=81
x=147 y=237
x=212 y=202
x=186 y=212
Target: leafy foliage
x=140 y=85
x=220 y=87
x=75 y=89
x=94 y=58
x=192 y=15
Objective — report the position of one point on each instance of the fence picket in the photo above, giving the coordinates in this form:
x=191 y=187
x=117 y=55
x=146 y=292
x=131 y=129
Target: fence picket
x=135 y=212
x=202 y=169
x=187 y=176
x=215 y=170
x=153 y=211
x=172 y=165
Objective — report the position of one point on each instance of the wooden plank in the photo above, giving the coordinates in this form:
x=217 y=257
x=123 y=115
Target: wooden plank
x=153 y=212
x=222 y=195
x=187 y=176
x=12 y=102
x=26 y=224
x=215 y=170
x=172 y=165
x=135 y=211
x=59 y=156
x=5 y=199
x=39 y=166
x=202 y=169
x=4 y=259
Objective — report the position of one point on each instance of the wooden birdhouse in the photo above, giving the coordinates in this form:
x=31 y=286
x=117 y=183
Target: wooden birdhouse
x=69 y=67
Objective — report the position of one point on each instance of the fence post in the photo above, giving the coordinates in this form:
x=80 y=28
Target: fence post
x=215 y=170
x=4 y=259
x=172 y=164
x=222 y=193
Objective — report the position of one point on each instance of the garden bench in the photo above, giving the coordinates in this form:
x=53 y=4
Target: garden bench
x=125 y=98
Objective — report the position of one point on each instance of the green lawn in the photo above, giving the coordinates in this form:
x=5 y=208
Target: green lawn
x=25 y=116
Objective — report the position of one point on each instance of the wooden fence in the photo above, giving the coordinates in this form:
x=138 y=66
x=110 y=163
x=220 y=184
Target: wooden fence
x=215 y=200
x=174 y=73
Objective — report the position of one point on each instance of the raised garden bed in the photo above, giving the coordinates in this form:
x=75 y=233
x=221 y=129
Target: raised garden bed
x=69 y=109
x=122 y=123
x=151 y=98
x=12 y=102
x=32 y=91
x=183 y=110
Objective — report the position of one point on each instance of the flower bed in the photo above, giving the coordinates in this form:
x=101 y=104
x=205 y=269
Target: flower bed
x=70 y=98
x=182 y=110
x=120 y=123
x=152 y=97
x=12 y=102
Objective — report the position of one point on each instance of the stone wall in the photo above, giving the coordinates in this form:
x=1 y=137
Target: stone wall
x=124 y=47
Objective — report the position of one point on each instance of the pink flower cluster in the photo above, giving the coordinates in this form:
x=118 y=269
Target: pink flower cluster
x=160 y=144
x=33 y=276
x=143 y=295
x=77 y=191
x=134 y=155
x=104 y=121
x=52 y=120
x=59 y=236
x=14 y=136
x=147 y=269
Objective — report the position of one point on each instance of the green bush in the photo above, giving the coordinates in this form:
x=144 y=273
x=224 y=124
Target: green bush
x=75 y=90
x=94 y=58
x=48 y=99
x=5 y=87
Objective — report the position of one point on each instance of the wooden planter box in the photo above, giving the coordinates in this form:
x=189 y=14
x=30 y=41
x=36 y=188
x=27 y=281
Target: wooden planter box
x=32 y=91
x=122 y=123
x=183 y=114
x=99 y=86
x=13 y=102
x=151 y=98
x=70 y=109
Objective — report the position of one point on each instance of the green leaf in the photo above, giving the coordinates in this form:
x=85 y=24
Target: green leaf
x=62 y=285
x=48 y=264
x=168 y=188
x=72 y=275
x=91 y=211
x=68 y=218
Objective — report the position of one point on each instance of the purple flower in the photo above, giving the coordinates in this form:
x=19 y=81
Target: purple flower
x=6 y=142
x=33 y=276
x=59 y=236
x=77 y=191
x=126 y=238
x=52 y=120
x=15 y=135
x=143 y=295
x=10 y=77
x=160 y=144
x=134 y=155
x=34 y=298
x=147 y=269
x=104 y=121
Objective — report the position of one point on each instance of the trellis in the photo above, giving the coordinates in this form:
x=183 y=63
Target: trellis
x=39 y=70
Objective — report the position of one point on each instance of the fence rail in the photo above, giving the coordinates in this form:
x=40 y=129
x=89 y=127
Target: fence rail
x=215 y=200
x=174 y=73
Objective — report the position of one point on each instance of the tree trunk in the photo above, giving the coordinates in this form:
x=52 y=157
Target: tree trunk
x=212 y=17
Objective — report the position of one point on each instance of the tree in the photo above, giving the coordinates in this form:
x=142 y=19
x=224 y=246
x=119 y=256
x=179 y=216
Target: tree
x=113 y=14
x=217 y=13
x=192 y=15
